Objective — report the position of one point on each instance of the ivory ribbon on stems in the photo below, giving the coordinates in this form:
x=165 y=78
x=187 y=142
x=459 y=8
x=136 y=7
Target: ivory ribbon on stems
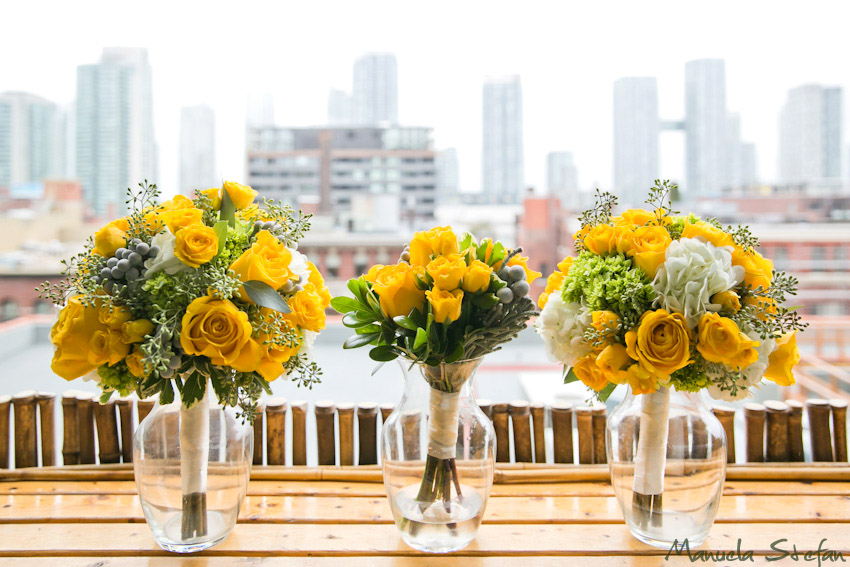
x=442 y=424
x=194 y=454
x=652 y=442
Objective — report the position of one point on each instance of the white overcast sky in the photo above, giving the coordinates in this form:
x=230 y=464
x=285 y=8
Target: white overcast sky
x=567 y=53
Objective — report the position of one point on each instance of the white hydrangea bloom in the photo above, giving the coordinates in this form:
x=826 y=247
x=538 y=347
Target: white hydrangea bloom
x=166 y=260
x=752 y=373
x=692 y=272
x=298 y=265
x=308 y=338
x=562 y=326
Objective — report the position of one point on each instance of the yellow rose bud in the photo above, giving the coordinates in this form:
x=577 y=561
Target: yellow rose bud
x=727 y=300
x=758 y=270
x=71 y=335
x=661 y=343
x=219 y=330
x=267 y=260
x=196 y=245
x=640 y=380
x=612 y=360
x=241 y=195
x=397 y=291
x=606 y=239
x=708 y=233
x=445 y=304
x=477 y=277
x=783 y=360
x=135 y=363
x=720 y=340
x=590 y=373
x=633 y=218
x=136 y=331
x=214 y=194
x=111 y=237
x=648 y=247
x=308 y=310
x=447 y=271
x=439 y=241
x=181 y=218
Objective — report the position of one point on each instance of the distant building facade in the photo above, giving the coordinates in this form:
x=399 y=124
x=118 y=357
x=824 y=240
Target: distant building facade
x=810 y=134
x=197 y=149
x=448 y=175
x=340 y=108
x=706 y=127
x=502 y=157
x=375 y=90
x=115 y=146
x=636 y=129
x=562 y=178
x=32 y=139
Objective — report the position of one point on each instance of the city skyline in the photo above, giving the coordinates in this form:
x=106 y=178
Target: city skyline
x=567 y=97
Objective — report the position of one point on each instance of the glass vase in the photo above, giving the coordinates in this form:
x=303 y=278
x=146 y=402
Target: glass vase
x=192 y=468
x=667 y=456
x=438 y=457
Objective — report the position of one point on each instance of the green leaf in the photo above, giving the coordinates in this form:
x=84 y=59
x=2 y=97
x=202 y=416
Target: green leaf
x=498 y=253
x=264 y=295
x=405 y=322
x=166 y=395
x=383 y=353
x=104 y=397
x=373 y=302
x=343 y=304
x=358 y=288
x=569 y=376
x=228 y=209
x=367 y=329
x=456 y=354
x=356 y=319
x=377 y=367
x=220 y=230
x=606 y=392
x=193 y=389
x=355 y=341
x=466 y=240
x=421 y=338
x=485 y=301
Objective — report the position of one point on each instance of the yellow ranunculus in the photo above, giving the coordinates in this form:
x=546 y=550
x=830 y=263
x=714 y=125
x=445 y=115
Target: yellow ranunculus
x=447 y=271
x=590 y=373
x=196 y=245
x=530 y=275
x=662 y=342
x=214 y=194
x=606 y=324
x=633 y=218
x=649 y=245
x=445 y=304
x=136 y=331
x=783 y=360
x=565 y=265
x=176 y=203
x=308 y=310
x=71 y=335
x=612 y=360
x=219 y=330
x=555 y=281
x=111 y=237
x=317 y=282
x=728 y=300
x=241 y=195
x=372 y=274
x=477 y=277
x=267 y=260
x=181 y=218
x=707 y=232
x=640 y=380
x=720 y=340
x=397 y=290
x=439 y=241
x=607 y=239
x=758 y=270
x=135 y=364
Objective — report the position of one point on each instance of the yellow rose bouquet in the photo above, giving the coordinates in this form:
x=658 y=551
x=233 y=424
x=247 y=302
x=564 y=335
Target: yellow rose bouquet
x=659 y=300
x=189 y=292
x=448 y=301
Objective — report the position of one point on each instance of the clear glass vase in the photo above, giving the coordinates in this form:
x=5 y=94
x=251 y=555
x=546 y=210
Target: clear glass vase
x=192 y=468
x=667 y=455
x=438 y=457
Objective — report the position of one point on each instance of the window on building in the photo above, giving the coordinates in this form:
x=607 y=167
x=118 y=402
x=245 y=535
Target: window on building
x=818 y=255
x=9 y=309
x=42 y=307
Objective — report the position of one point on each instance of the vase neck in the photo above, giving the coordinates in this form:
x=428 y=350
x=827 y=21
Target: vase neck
x=455 y=377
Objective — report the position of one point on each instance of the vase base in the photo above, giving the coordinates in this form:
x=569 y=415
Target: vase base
x=434 y=530
x=672 y=529
x=168 y=538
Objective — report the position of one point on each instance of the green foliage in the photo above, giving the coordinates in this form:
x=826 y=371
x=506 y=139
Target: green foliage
x=660 y=200
x=691 y=378
x=117 y=378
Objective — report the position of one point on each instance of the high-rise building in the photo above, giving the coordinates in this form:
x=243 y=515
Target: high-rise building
x=810 y=135
x=197 y=149
x=115 y=146
x=260 y=110
x=636 y=128
x=340 y=108
x=502 y=157
x=448 y=175
x=706 y=127
x=562 y=178
x=32 y=139
x=375 y=93
x=749 y=175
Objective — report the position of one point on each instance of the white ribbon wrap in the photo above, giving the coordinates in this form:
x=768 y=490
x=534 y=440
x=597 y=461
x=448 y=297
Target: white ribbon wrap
x=194 y=445
x=652 y=442
x=442 y=424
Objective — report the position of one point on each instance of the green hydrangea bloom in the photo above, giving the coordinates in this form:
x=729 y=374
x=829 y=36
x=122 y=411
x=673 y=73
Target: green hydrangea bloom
x=691 y=378
x=117 y=378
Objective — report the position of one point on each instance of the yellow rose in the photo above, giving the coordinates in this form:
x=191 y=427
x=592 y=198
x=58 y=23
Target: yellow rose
x=649 y=245
x=707 y=232
x=612 y=360
x=267 y=260
x=530 y=275
x=106 y=347
x=113 y=316
x=728 y=300
x=274 y=356
x=214 y=194
x=641 y=381
x=241 y=195
x=606 y=324
x=397 y=291
x=111 y=237
x=135 y=364
x=153 y=216
x=607 y=239
x=661 y=343
x=555 y=281
x=445 y=304
x=439 y=241
x=253 y=213
x=783 y=360
x=766 y=305
x=477 y=277
x=181 y=218
x=758 y=270
x=136 y=331
x=720 y=340
x=447 y=271
x=565 y=265
x=633 y=218
x=176 y=203
x=372 y=274
x=590 y=373
x=308 y=310
x=196 y=245
x=219 y=330
x=71 y=335
x=316 y=283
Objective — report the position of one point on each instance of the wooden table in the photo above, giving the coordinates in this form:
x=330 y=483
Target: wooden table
x=341 y=518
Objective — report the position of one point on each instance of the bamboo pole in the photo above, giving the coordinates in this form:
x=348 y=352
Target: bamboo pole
x=795 y=431
x=299 y=433
x=754 y=427
x=345 y=415
x=107 y=432
x=259 y=416
x=47 y=417
x=500 y=424
x=144 y=408
x=276 y=431
x=839 y=429
x=778 y=449
x=85 y=413
x=598 y=421
x=5 y=404
x=386 y=410
x=726 y=416
x=410 y=430
x=818 y=411
x=125 y=416
x=70 y=429
x=627 y=434
x=562 y=431
x=367 y=433
x=325 y=432
x=538 y=419
x=699 y=438
x=584 y=425
x=486 y=407
x=26 y=448
x=520 y=416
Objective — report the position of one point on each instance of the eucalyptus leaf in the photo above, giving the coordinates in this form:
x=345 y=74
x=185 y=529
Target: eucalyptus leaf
x=355 y=341
x=264 y=295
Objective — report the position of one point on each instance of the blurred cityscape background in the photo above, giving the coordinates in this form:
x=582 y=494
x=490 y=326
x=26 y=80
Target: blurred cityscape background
x=371 y=177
